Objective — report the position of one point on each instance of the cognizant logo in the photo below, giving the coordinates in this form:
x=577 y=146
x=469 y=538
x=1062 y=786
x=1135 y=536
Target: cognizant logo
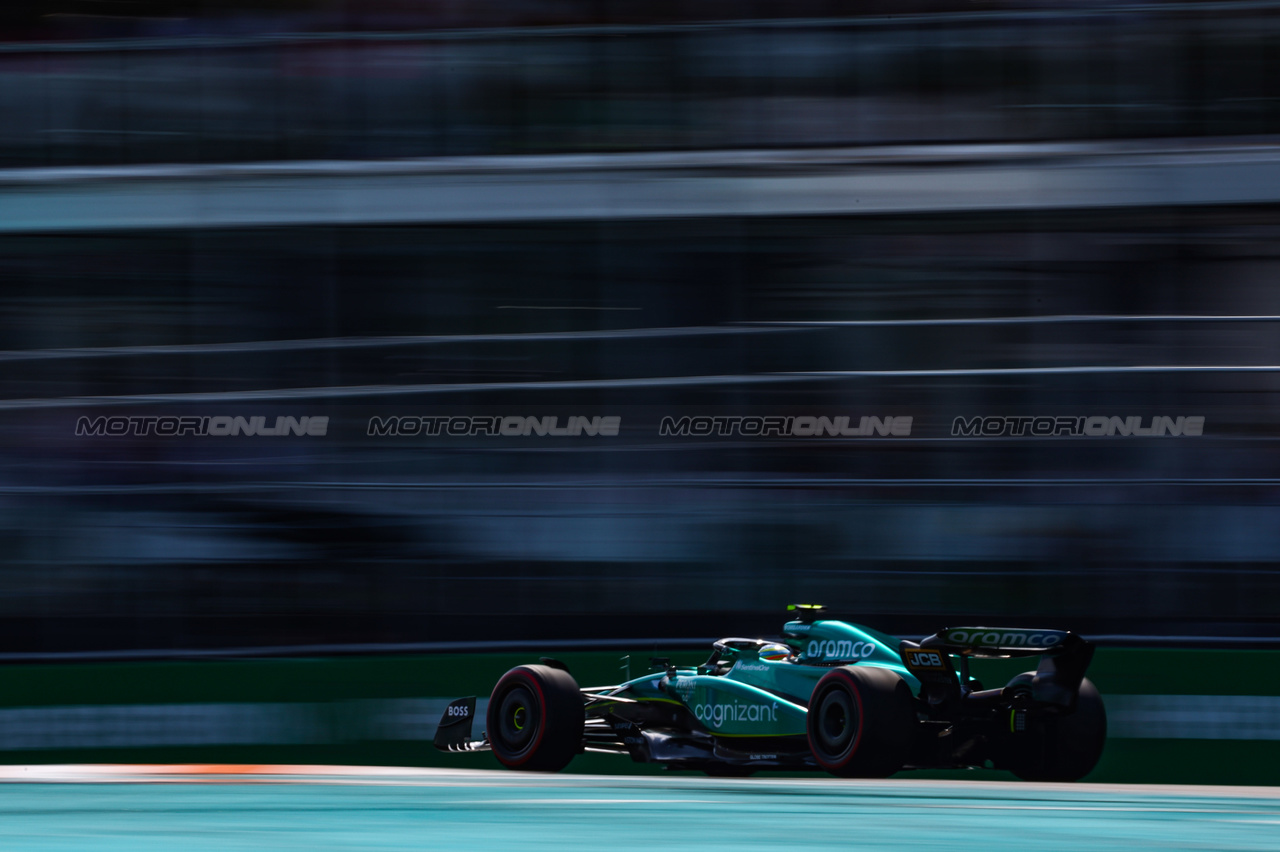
x=716 y=715
x=839 y=649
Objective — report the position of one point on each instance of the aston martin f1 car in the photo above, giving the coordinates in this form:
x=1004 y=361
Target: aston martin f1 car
x=829 y=695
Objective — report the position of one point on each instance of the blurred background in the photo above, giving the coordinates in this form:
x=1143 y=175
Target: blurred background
x=533 y=208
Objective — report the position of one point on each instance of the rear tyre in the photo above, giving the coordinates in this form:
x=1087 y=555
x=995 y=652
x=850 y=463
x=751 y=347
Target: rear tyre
x=1062 y=748
x=535 y=719
x=861 y=721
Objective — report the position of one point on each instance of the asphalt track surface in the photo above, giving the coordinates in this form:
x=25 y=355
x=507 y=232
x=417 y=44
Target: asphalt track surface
x=375 y=808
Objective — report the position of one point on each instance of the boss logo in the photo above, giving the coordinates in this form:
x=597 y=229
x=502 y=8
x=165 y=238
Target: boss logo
x=924 y=660
x=455 y=711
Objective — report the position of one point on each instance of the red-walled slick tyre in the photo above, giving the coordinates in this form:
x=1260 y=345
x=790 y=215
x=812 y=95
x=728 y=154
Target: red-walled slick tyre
x=861 y=721
x=535 y=719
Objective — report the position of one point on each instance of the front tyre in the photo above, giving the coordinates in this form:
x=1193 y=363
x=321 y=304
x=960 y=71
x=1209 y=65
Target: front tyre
x=861 y=721
x=1063 y=748
x=535 y=719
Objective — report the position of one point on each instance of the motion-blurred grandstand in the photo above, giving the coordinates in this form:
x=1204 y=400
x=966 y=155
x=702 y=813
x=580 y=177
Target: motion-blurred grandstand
x=645 y=210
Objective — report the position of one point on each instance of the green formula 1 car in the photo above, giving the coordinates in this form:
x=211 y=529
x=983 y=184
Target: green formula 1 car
x=829 y=696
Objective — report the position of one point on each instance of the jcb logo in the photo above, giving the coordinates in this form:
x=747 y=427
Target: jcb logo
x=924 y=660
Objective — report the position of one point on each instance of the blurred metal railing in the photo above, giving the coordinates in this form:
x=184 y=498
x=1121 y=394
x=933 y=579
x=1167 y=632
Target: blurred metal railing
x=642 y=186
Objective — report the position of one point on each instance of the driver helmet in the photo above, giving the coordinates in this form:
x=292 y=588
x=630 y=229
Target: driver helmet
x=774 y=651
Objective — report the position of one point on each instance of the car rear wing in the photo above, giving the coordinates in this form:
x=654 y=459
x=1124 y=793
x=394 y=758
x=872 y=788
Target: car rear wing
x=1064 y=658
x=1000 y=641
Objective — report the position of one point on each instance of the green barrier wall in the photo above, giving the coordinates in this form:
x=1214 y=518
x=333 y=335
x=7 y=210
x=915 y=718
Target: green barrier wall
x=1176 y=716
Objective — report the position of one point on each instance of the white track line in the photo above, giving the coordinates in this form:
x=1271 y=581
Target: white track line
x=418 y=776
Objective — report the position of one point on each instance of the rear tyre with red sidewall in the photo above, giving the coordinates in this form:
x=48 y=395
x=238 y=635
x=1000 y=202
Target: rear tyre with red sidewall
x=535 y=719
x=861 y=722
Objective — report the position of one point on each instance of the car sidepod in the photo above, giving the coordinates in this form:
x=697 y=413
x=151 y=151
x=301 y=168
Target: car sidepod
x=730 y=708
